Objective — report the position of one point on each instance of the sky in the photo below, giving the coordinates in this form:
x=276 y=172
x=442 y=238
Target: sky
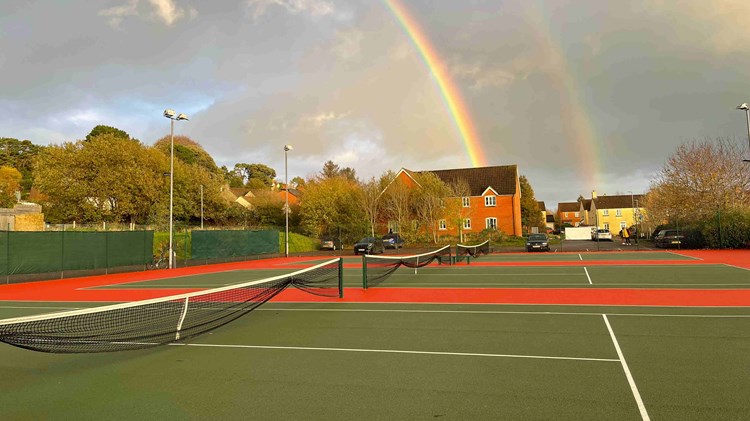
x=582 y=95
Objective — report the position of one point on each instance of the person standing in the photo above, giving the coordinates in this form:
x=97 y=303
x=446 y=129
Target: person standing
x=625 y=236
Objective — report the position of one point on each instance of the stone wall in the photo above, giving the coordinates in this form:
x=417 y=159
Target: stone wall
x=23 y=217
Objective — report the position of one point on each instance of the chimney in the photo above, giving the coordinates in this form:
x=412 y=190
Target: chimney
x=593 y=194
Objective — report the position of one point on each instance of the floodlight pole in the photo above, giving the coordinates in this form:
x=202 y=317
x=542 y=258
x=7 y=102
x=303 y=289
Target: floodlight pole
x=632 y=205
x=287 y=148
x=744 y=107
x=201 y=206
x=170 y=114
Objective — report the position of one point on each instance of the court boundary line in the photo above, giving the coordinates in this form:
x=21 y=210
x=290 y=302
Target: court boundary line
x=628 y=374
x=587 y=275
x=397 y=351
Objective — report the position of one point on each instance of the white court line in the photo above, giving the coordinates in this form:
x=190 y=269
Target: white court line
x=738 y=267
x=580 y=257
x=543 y=313
x=587 y=275
x=633 y=387
x=684 y=255
x=396 y=351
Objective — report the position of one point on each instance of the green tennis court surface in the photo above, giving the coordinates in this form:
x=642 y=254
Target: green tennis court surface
x=572 y=257
x=357 y=361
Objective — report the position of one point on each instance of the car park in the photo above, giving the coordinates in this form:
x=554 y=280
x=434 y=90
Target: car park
x=369 y=245
x=393 y=241
x=330 y=243
x=668 y=238
x=537 y=242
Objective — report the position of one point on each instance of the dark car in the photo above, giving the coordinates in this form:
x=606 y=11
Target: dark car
x=330 y=243
x=537 y=242
x=369 y=245
x=393 y=241
x=668 y=238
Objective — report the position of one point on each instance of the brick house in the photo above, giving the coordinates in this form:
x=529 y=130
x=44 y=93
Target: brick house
x=493 y=201
x=569 y=213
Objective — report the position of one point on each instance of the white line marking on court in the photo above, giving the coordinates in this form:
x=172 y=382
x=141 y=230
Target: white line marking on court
x=587 y=275
x=738 y=267
x=684 y=255
x=580 y=257
x=495 y=312
x=396 y=351
x=633 y=387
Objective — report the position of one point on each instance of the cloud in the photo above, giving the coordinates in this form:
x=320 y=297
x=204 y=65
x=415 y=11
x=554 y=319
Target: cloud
x=311 y=7
x=348 y=44
x=166 y=11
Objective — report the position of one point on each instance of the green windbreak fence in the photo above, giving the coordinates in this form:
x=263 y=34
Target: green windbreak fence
x=223 y=244
x=60 y=251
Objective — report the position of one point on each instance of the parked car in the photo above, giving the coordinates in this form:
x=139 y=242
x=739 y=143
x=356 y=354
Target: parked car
x=369 y=245
x=537 y=242
x=668 y=238
x=603 y=234
x=393 y=241
x=330 y=243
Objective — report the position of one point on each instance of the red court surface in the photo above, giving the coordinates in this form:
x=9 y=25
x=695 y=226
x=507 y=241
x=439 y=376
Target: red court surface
x=76 y=289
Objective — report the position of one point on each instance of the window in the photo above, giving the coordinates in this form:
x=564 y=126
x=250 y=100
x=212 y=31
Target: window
x=606 y=226
x=605 y=212
x=466 y=201
x=566 y=214
x=467 y=224
x=577 y=214
x=491 y=223
x=489 y=200
x=618 y=212
x=622 y=225
x=441 y=224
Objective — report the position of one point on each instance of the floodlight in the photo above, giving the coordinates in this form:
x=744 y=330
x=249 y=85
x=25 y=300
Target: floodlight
x=743 y=106
x=169 y=113
x=288 y=148
x=182 y=117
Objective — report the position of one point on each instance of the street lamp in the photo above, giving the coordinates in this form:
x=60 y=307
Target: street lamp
x=746 y=109
x=287 y=148
x=170 y=114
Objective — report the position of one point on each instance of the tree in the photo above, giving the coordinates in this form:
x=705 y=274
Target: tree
x=531 y=216
x=256 y=176
x=103 y=179
x=331 y=170
x=297 y=183
x=429 y=202
x=699 y=179
x=370 y=203
x=232 y=178
x=10 y=183
x=19 y=155
x=457 y=213
x=107 y=130
x=331 y=205
x=188 y=151
x=398 y=206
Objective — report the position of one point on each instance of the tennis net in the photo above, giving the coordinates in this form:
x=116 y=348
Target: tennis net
x=149 y=323
x=473 y=251
x=376 y=269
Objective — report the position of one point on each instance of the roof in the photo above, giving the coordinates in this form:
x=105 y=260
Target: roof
x=616 y=202
x=239 y=191
x=502 y=179
x=586 y=204
x=568 y=207
x=540 y=205
x=550 y=218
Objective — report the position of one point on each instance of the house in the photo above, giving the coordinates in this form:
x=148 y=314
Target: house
x=585 y=212
x=615 y=212
x=569 y=213
x=493 y=199
x=241 y=195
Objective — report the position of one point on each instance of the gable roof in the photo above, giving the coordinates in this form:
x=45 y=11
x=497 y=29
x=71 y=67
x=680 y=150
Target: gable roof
x=586 y=204
x=624 y=201
x=568 y=207
x=502 y=179
x=540 y=205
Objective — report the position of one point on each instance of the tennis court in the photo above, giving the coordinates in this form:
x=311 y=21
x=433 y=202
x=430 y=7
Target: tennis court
x=409 y=348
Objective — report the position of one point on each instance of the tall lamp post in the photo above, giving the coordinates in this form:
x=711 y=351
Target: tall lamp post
x=170 y=114
x=287 y=148
x=632 y=205
x=744 y=107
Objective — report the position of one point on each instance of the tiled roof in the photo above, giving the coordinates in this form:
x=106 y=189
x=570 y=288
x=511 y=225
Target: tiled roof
x=586 y=204
x=541 y=206
x=502 y=179
x=616 y=202
x=239 y=191
x=568 y=207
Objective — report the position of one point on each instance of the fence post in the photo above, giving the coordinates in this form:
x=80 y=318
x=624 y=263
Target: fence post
x=7 y=255
x=62 y=253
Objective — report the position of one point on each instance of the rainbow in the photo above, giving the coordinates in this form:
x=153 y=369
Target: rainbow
x=450 y=93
